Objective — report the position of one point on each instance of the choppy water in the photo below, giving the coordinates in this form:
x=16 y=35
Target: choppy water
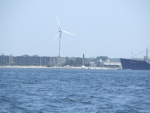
x=74 y=91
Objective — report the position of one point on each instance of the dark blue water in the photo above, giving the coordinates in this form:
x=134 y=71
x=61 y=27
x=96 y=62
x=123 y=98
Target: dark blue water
x=74 y=91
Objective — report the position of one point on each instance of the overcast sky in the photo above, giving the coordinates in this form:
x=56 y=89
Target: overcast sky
x=113 y=28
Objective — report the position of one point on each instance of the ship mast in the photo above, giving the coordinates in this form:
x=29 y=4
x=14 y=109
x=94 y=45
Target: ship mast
x=147 y=52
x=146 y=57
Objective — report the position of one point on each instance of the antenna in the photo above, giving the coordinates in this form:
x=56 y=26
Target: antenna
x=60 y=34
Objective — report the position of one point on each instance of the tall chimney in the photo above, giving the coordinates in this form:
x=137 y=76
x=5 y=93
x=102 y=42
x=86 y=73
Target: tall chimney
x=83 y=59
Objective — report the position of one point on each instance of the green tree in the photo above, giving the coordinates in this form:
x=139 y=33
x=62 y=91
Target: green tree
x=103 y=58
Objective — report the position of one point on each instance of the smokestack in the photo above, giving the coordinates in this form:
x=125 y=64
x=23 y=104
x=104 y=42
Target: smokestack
x=83 y=59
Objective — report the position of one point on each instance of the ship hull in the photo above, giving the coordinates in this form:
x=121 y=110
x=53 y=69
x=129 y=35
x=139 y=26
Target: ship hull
x=134 y=64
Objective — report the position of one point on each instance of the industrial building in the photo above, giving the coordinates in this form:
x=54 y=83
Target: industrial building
x=27 y=60
x=35 y=60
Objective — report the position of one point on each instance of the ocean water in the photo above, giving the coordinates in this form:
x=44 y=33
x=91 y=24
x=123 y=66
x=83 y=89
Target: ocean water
x=74 y=91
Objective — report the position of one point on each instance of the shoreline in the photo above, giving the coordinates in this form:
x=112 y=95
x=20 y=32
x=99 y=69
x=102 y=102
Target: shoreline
x=58 y=67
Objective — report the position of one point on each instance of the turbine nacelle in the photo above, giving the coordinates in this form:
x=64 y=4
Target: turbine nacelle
x=60 y=31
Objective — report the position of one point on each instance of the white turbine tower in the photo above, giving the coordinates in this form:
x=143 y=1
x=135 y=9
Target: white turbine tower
x=60 y=34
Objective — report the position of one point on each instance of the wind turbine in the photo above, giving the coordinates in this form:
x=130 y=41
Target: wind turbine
x=60 y=34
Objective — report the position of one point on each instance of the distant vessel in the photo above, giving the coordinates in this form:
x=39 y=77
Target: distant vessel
x=136 y=64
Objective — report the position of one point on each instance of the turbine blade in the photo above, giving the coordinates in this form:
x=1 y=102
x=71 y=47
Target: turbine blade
x=68 y=32
x=58 y=22
x=55 y=37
